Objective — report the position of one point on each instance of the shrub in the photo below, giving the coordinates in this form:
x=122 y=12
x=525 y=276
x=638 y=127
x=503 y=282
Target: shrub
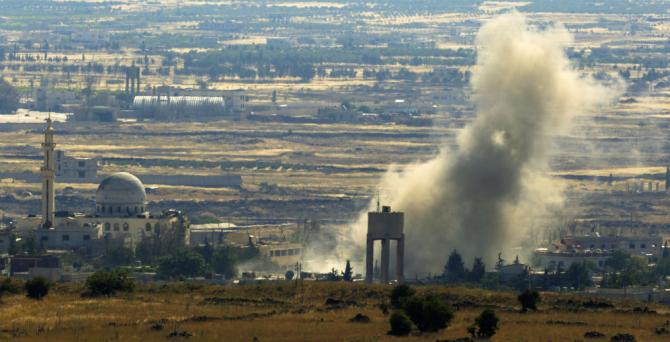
x=401 y=325
x=529 y=300
x=400 y=293
x=37 y=288
x=183 y=263
x=8 y=286
x=104 y=283
x=429 y=313
x=487 y=323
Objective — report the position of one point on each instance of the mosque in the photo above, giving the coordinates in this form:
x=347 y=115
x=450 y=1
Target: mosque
x=121 y=212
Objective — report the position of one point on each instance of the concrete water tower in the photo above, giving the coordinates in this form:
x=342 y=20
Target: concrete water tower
x=385 y=226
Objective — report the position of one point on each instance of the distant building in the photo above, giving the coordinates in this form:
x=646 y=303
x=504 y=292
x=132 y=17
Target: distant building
x=167 y=107
x=71 y=169
x=121 y=213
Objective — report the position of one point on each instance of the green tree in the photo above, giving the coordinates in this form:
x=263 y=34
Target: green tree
x=105 y=283
x=183 y=263
x=119 y=256
x=487 y=324
x=401 y=325
x=224 y=261
x=454 y=270
x=618 y=260
x=529 y=300
x=400 y=294
x=579 y=275
x=9 y=98
x=478 y=270
x=13 y=248
x=348 y=274
x=429 y=313
x=37 y=288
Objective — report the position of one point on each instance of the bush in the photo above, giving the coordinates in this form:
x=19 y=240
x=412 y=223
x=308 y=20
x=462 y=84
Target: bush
x=529 y=300
x=8 y=286
x=401 y=325
x=37 y=288
x=400 y=293
x=181 y=264
x=487 y=324
x=429 y=313
x=104 y=283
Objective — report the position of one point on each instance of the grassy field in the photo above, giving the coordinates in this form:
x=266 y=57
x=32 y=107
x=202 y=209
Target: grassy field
x=284 y=312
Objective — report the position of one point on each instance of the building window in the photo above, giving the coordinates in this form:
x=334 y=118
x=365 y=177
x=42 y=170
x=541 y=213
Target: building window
x=644 y=245
x=147 y=227
x=118 y=209
x=87 y=237
x=157 y=228
x=116 y=227
x=44 y=238
x=81 y=174
x=66 y=237
x=136 y=210
x=125 y=227
x=102 y=209
x=602 y=246
x=108 y=226
x=82 y=163
x=631 y=246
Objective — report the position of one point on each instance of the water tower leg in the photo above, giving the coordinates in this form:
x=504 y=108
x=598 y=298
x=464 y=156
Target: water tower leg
x=369 y=256
x=385 y=260
x=400 y=260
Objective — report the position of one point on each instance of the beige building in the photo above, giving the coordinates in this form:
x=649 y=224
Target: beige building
x=120 y=212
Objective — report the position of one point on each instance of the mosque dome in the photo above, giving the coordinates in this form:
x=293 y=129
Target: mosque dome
x=121 y=194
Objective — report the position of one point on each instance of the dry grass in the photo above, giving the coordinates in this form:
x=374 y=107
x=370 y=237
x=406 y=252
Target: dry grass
x=279 y=312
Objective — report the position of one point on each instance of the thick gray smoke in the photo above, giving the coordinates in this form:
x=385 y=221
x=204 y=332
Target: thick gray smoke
x=480 y=199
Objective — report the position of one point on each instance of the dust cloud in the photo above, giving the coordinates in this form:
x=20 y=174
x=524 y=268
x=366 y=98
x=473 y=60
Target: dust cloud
x=484 y=196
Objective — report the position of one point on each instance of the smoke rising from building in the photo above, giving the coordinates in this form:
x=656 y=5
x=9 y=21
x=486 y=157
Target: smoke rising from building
x=480 y=199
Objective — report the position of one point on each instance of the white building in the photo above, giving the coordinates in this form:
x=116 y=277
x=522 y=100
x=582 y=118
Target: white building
x=120 y=212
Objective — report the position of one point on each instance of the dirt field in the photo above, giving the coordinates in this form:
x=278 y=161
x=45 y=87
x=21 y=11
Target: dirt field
x=284 y=312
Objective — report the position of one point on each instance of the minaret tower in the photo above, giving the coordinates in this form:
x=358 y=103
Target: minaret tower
x=48 y=177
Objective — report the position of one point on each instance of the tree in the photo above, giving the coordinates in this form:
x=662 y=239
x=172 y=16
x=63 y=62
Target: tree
x=7 y=286
x=487 y=324
x=105 y=283
x=118 y=257
x=428 y=313
x=478 y=270
x=183 y=263
x=224 y=261
x=13 y=248
x=348 y=275
x=9 y=98
x=454 y=270
x=618 y=260
x=289 y=275
x=400 y=294
x=401 y=325
x=37 y=288
x=578 y=275
x=529 y=300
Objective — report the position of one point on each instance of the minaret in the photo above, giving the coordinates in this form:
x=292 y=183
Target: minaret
x=48 y=177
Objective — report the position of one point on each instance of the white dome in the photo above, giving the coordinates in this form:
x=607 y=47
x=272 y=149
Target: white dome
x=121 y=194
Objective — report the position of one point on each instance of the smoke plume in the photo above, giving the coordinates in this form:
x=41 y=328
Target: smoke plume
x=481 y=198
